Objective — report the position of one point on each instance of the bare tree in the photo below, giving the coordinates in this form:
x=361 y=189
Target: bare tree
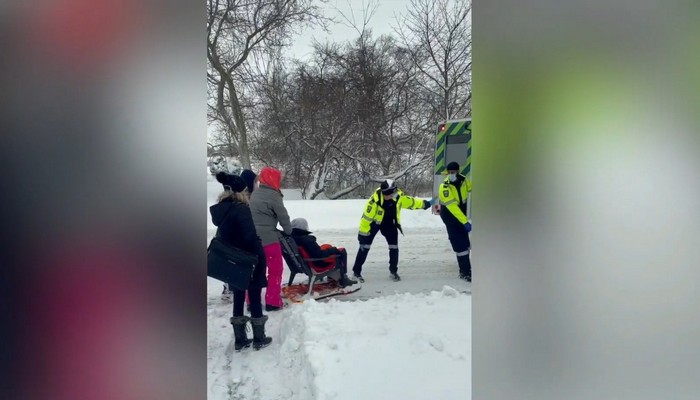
x=383 y=83
x=438 y=32
x=345 y=120
x=349 y=19
x=306 y=110
x=235 y=30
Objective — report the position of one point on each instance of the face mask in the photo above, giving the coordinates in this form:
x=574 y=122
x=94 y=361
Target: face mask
x=452 y=177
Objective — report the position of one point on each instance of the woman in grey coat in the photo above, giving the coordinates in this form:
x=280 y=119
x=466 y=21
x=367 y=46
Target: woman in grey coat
x=268 y=210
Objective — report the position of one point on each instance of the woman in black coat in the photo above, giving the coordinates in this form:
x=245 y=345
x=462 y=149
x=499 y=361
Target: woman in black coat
x=304 y=239
x=235 y=226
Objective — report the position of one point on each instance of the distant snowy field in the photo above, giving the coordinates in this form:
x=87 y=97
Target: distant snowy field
x=391 y=340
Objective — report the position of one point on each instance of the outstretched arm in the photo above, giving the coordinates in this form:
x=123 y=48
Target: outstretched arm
x=414 y=203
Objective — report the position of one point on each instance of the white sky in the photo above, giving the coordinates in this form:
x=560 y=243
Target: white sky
x=381 y=23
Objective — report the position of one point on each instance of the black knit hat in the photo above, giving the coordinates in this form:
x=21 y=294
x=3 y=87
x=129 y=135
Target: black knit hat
x=230 y=182
x=249 y=178
x=453 y=166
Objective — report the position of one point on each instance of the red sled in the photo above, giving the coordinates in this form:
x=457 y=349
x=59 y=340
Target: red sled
x=299 y=263
x=322 y=290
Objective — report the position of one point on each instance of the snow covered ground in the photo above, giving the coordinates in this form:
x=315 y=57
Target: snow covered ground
x=391 y=340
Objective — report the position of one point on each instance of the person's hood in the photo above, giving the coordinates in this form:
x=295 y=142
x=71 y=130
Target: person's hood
x=219 y=211
x=300 y=223
x=300 y=232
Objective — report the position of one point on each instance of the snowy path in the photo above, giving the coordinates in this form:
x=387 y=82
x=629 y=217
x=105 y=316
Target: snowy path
x=391 y=340
x=429 y=336
x=403 y=346
x=426 y=263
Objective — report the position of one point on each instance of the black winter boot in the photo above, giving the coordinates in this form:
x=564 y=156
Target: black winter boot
x=393 y=261
x=270 y=308
x=259 y=338
x=227 y=294
x=465 y=267
x=345 y=281
x=239 y=331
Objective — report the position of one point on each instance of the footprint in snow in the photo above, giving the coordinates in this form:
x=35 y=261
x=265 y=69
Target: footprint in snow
x=436 y=343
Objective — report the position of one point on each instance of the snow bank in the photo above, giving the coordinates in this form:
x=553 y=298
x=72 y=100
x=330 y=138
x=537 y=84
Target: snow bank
x=399 y=347
x=406 y=346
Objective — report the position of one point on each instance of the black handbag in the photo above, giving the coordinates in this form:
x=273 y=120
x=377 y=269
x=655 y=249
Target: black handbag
x=230 y=264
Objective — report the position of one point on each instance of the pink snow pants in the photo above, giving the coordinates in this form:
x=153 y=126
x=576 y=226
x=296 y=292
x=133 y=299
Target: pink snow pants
x=275 y=268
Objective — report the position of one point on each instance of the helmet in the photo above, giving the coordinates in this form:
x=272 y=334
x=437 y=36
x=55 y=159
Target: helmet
x=388 y=186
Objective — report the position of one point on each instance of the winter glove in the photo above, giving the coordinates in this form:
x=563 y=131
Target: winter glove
x=428 y=203
x=468 y=227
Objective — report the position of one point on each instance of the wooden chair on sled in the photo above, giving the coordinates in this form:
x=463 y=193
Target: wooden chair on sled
x=299 y=262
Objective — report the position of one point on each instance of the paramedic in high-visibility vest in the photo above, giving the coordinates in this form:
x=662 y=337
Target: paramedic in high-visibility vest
x=454 y=192
x=383 y=214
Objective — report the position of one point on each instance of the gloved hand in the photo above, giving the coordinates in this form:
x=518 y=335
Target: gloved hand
x=468 y=227
x=428 y=203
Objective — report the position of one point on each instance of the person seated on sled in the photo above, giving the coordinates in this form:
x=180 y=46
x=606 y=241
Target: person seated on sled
x=304 y=239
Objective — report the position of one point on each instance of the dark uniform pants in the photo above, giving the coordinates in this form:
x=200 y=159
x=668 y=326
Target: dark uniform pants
x=341 y=262
x=391 y=233
x=459 y=239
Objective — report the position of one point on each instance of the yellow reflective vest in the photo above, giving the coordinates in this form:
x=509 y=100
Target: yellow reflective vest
x=374 y=212
x=452 y=197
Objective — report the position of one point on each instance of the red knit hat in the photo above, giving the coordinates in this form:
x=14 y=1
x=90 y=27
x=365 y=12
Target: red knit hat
x=271 y=177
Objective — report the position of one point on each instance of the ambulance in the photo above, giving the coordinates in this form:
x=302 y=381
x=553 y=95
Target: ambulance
x=453 y=143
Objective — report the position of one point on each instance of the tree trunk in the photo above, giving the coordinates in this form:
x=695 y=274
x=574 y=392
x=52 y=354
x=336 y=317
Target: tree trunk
x=243 y=152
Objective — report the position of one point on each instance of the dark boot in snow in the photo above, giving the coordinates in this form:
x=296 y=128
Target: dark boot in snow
x=395 y=277
x=259 y=338
x=270 y=308
x=465 y=267
x=345 y=281
x=239 y=331
x=393 y=260
x=227 y=294
x=359 y=277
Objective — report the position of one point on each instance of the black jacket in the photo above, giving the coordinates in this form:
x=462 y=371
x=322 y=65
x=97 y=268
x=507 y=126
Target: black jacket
x=308 y=242
x=235 y=227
